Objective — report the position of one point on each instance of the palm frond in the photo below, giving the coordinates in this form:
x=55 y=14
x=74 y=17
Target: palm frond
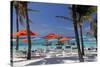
x=33 y=10
x=63 y=17
x=89 y=18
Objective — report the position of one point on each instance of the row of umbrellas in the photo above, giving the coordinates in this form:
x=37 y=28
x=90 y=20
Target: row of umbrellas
x=50 y=36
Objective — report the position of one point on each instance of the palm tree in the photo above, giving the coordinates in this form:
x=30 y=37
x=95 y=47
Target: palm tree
x=84 y=13
x=28 y=32
x=11 y=45
x=17 y=26
x=81 y=36
x=93 y=28
x=22 y=11
x=74 y=15
x=19 y=13
x=81 y=20
x=75 y=24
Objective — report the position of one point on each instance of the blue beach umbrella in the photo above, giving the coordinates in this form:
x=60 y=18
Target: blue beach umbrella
x=52 y=40
x=72 y=40
x=38 y=40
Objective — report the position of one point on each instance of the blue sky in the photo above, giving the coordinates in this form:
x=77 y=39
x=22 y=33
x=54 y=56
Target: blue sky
x=45 y=22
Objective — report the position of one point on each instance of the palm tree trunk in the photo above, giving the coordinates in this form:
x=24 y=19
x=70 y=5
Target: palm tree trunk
x=76 y=33
x=82 y=43
x=11 y=44
x=95 y=35
x=96 y=30
x=28 y=34
x=17 y=27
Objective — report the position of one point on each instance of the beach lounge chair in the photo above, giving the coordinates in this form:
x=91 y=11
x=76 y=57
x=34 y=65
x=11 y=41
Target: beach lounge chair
x=68 y=50
x=59 y=52
x=91 y=51
x=59 y=47
x=20 y=54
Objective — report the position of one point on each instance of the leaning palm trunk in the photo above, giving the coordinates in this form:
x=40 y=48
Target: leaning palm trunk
x=25 y=13
x=28 y=33
x=93 y=29
x=82 y=43
x=81 y=34
x=11 y=45
x=17 y=27
x=76 y=33
x=95 y=34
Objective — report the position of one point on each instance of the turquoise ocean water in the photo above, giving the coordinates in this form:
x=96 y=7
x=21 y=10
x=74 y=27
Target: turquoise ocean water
x=40 y=44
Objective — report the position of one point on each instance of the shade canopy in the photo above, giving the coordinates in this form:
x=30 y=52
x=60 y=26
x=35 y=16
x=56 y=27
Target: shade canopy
x=64 y=39
x=23 y=32
x=52 y=40
x=35 y=40
x=51 y=35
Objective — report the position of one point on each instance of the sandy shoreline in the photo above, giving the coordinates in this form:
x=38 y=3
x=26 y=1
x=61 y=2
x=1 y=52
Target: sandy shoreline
x=54 y=57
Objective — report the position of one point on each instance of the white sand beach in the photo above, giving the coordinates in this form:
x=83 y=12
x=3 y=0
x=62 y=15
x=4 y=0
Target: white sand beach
x=52 y=57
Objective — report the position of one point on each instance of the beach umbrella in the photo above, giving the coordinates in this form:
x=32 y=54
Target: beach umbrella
x=73 y=40
x=23 y=32
x=35 y=40
x=53 y=40
x=24 y=40
x=50 y=36
x=64 y=39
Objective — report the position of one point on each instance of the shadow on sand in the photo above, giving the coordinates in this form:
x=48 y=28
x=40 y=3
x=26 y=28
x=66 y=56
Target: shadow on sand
x=57 y=60
x=60 y=60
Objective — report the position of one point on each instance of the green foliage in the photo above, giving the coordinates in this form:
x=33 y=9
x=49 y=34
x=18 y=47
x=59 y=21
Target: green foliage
x=86 y=10
x=33 y=10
